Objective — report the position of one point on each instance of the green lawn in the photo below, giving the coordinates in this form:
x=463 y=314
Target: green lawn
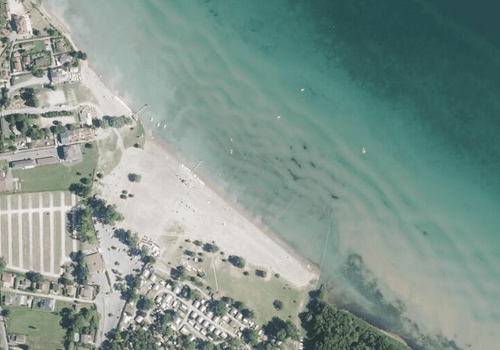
x=56 y=177
x=255 y=292
x=133 y=134
x=41 y=328
x=18 y=79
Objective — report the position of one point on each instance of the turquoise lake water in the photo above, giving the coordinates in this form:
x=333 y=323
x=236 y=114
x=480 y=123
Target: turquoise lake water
x=278 y=98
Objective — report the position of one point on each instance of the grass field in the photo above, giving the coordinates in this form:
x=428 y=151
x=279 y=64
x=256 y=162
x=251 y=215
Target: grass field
x=27 y=240
x=46 y=243
x=109 y=153
x=57 y=240
x=25 y=201
x=256 y=292
x=18 y=79
x=57 y=177
x=5 y=235
x=41 y=328
x=133 y=134
x=15 y=240
x=76 y=93
x=36 y=242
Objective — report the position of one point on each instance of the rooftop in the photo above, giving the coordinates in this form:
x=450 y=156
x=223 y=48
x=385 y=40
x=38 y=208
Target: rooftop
x=95 y=262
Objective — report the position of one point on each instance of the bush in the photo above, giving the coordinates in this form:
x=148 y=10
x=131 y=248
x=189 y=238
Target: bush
x=278 y=304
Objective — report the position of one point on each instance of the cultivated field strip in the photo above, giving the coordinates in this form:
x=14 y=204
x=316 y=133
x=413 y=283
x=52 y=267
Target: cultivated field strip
x=33 y=234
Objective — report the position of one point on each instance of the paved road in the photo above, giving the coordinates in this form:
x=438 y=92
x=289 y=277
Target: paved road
x=39 y=110
x=57 y=297
x=3 y=333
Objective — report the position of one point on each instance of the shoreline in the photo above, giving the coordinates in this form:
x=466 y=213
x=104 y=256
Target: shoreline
x=170 y=151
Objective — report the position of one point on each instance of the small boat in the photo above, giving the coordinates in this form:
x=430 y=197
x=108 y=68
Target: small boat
x=363 y=150
x=151 y=119
x=230 y=151
x=157 y=124
x=164 y=126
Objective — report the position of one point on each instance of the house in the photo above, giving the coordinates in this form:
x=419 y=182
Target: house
x=76 y=337
x=54 y=288
x=8 y=280
x=24 y=284
x=87 y=293
x=23 y=164
x=64 y=138
x=71 y=153
x=8 y=300
x=71 y=291
x=20 y=24
x=95 y=263
x=42 y=287
x=28 y=46
x=85 y=115
x=4 y=73
x=70 y=136
x=59 y=76
x=26 y=60
x=16 y=62
x=23 y=300
x=47 y=304
x=63 y=59
x=17 y=338
x=6 y=10
x=59 y=46
x=42 y=61
x=85 y=338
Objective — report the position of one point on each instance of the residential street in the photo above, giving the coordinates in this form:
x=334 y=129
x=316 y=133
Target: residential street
x=3 y=333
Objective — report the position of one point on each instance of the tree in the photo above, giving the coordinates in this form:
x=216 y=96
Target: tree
x=234 y=344
x=134 y=177
x=207 y=345
x=278 y=304
x=144 y=303
x=252 y=337
x=35 y=277
x=329 y=328
x=237 y=261
x=211 y=248
x=181 y=273
x=220 y=308
x=80 y=189
x=261 y=273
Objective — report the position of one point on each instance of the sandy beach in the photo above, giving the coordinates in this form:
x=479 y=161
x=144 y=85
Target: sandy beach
x=171 y=200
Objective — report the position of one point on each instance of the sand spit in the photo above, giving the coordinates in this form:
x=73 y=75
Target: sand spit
x=170 y=200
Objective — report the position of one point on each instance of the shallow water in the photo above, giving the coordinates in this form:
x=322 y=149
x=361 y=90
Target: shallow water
x=406 y=234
